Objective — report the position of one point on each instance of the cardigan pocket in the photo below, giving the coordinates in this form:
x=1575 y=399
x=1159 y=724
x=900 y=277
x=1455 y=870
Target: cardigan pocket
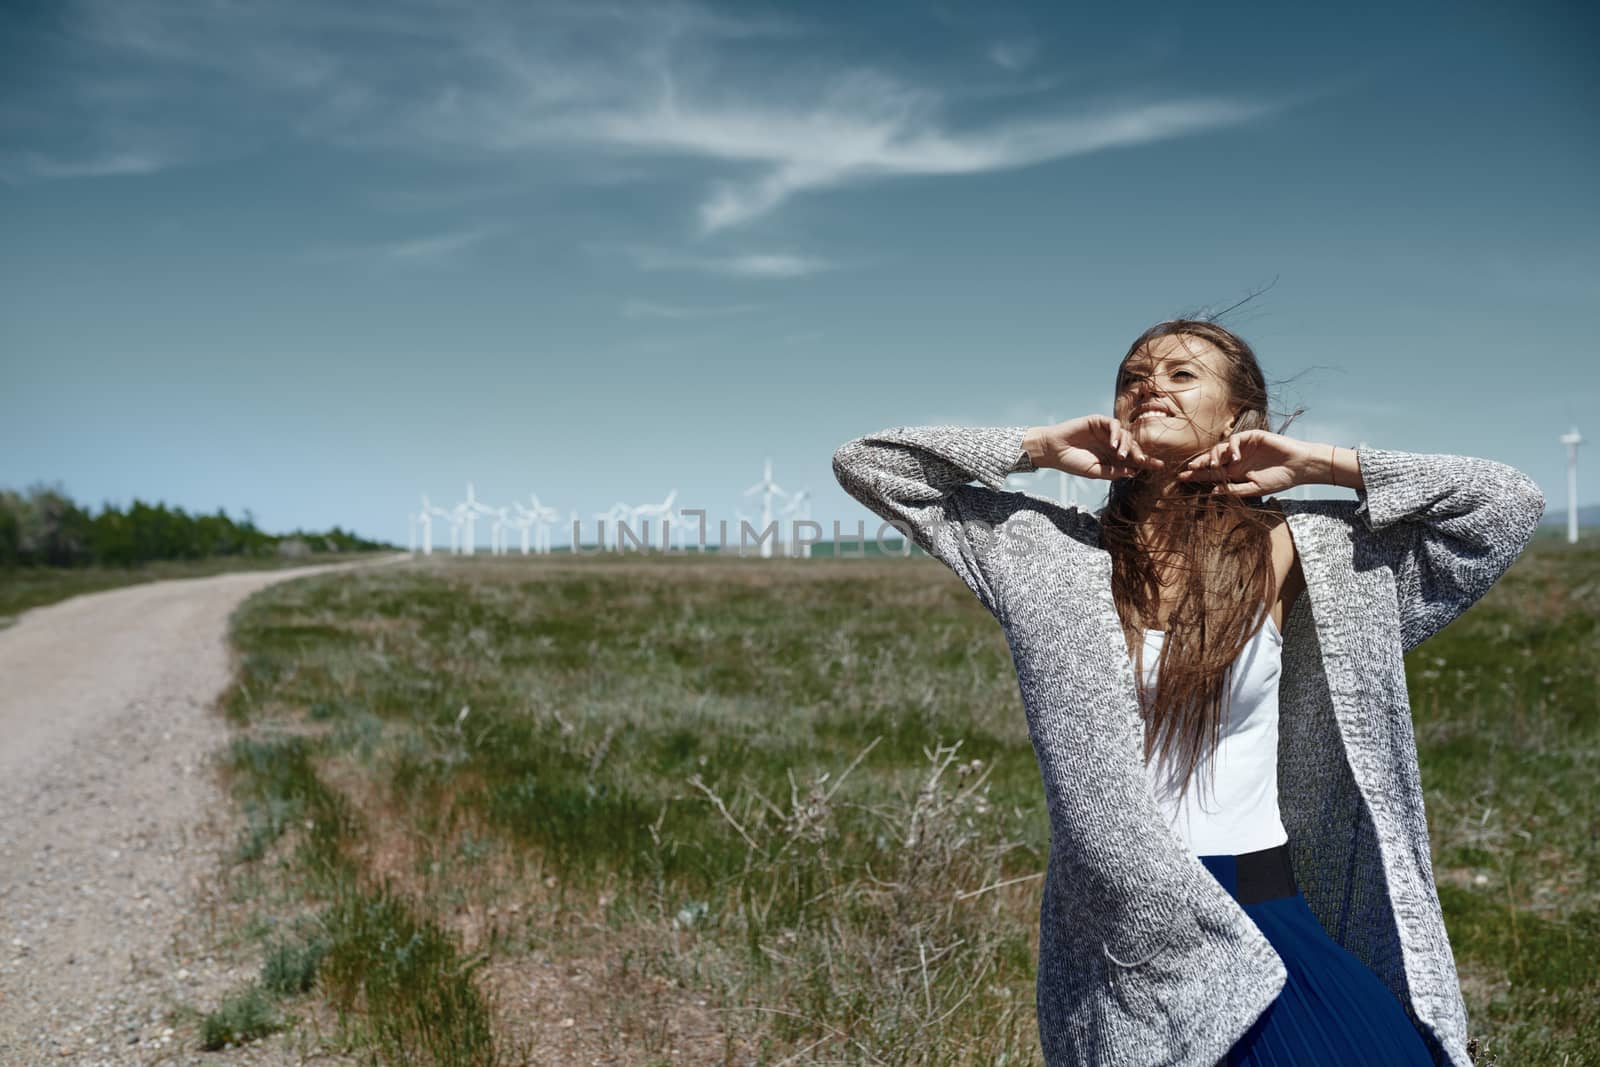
x=1122 y=957
x=1148 y=983
x=1131 y=965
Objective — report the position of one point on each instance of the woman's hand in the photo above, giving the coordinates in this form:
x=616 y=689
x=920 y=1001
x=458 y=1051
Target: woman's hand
x=1251 y=463
x=1094 y=446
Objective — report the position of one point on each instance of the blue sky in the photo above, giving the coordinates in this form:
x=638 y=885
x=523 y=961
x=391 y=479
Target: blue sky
x=316 y=258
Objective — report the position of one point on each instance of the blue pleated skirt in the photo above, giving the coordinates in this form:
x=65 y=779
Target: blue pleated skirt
x=1333 y=1010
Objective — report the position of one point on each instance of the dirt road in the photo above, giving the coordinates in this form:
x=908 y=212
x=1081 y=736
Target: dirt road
x=107 y=722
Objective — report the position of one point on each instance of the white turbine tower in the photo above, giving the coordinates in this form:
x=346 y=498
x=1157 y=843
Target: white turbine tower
x=768 y=489
x=625 y=516
x=622 y=514
x=430 y=511
x=458 y=520
x=439 y=512
x=542 y=517
x=1572 y=441
x=545 y=517
x=471 y=509
x=600 y=519
x=661 y=512
x=798 y=510
x=497 y=532
x=614 y=515
x=524 y=521
x=742 y=519
x=641 y=531
x=685 y=529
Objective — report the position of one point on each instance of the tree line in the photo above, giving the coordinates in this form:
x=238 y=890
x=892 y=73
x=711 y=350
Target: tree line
x=43 y=527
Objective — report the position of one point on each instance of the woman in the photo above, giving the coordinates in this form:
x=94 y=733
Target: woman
x=1239 y=868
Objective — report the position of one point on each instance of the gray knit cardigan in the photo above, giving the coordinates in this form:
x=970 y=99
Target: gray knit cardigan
x=1143 y=957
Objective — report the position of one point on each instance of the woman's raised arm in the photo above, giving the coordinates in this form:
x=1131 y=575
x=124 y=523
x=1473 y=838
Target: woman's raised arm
x=1449 y=526
x=916 y=477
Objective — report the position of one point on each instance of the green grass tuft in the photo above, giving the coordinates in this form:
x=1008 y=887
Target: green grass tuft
x=413 y=990
x=247 y=1015
x=291 y=967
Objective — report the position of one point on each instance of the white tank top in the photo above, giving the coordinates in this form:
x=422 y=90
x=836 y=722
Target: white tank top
x=1237 y=811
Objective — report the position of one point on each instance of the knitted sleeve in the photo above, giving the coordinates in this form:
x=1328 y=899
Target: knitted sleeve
x=1448 y=526
x=916 y=478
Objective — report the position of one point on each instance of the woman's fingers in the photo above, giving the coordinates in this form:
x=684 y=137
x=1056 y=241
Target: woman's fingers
x=1136 y=452
x=1207 y=464
x=1114 y=469
x=1127 y=447
x=1123 y=456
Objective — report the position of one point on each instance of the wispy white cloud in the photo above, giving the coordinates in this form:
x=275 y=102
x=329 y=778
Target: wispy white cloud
x=432 y=250
x=740 y=265
x=37 y=165
x=599 y=81
x=843 y=149
x=1013 y=55
x=420 y=199
x=646 y=309
x=864 y=125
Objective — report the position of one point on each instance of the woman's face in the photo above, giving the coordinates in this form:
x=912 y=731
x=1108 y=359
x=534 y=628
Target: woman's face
x=1184 y=376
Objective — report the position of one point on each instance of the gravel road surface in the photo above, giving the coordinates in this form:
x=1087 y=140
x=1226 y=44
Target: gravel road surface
x=108 y=821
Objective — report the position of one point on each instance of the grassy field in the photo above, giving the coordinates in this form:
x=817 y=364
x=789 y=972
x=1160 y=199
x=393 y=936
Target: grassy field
x=22 y=588
x=712 y=810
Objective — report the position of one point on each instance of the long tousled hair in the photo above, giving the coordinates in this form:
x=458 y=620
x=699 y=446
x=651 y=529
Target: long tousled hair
x=1215 y=547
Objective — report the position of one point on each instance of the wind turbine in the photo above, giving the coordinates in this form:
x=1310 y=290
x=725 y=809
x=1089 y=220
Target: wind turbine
x=543 y=516
x=525 y=519
x=497 y=532
x=662 y=511
x=429 y=512
x=600 y=518
x=640 y=532
x=1572 y=441
x=680 y=523
x=458 y=517
x=743 y=521
x=428 y=531
x=470 y=510
x=614 y=514
x=799 y=507
x=622 y=514
x=768 y=489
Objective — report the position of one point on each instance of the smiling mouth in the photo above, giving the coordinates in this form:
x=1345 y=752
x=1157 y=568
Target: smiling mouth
x=1151 y=415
